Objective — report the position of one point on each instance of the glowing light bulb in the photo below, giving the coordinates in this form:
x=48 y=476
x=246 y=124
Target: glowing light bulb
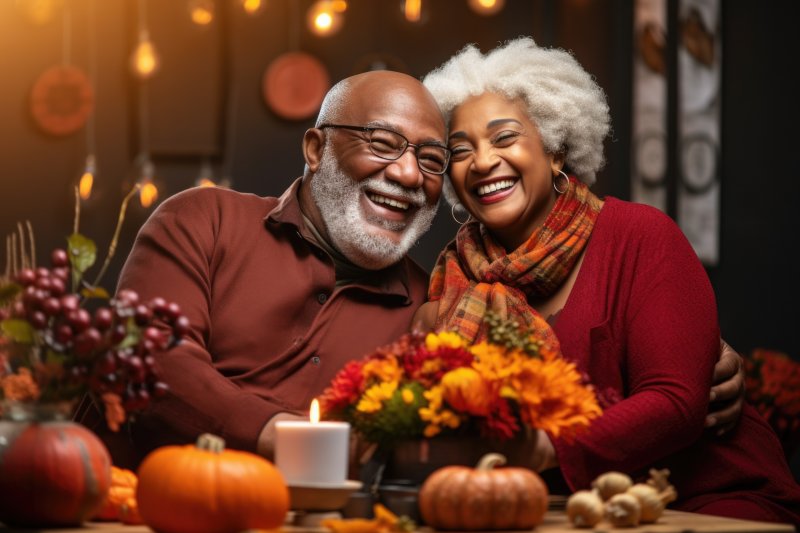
x=413 y=10
x=145 y=61
x=324 y=17
x=85 y=185
x=486 y=7
x=201 y=11
x=251 y=7
x=148 y=194
x=87 y=179
x=323 y=22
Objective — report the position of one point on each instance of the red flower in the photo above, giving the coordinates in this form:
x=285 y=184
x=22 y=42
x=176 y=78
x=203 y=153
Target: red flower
x=344 y=389
x=501 y=422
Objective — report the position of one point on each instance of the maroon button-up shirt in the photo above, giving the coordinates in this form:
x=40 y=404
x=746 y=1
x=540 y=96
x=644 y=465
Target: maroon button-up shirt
x=269 y=327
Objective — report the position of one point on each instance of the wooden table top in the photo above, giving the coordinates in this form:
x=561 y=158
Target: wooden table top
x=554 y=522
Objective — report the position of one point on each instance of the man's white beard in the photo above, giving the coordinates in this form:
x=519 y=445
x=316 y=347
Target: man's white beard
x=338 y=197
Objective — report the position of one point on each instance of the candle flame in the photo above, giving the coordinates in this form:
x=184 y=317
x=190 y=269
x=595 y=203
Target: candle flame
x=313 y=414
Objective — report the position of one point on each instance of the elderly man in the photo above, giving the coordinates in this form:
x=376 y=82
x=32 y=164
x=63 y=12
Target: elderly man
x=282 y=292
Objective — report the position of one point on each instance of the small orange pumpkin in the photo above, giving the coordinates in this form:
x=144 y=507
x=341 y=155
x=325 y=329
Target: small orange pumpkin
x=205 y=488
x=123 y=487
x=482 y=498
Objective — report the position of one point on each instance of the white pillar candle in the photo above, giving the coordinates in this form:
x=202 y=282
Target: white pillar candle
x=312 y=452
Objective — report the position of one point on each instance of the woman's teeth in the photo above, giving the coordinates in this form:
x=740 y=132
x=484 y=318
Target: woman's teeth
x=397 y=204
x=483 y=190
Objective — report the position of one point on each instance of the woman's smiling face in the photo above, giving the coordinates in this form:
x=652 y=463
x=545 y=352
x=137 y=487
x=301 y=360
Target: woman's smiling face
x=499 y=168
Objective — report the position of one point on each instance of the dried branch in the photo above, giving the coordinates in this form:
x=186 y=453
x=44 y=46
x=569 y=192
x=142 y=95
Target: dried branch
x=113 y=246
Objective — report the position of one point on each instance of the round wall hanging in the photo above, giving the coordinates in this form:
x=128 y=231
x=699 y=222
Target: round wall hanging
x=294 y=85
x=61 y=100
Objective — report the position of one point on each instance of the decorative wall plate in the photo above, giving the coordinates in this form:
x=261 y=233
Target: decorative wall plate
x=62 y=100
x=294 y=85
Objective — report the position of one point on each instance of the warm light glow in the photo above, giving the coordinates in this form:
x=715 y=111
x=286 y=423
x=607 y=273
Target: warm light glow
x=85 y=185
x=323 y=22
x=202 y=11
x=39 y=11
x=313 y=413
x=148 y=194
x=205 y=182
x=251 y=7
x=486 y=7
x=325 y=18
x=145 y=60
x=413 y=10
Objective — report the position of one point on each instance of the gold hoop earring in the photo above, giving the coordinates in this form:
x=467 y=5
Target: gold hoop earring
x=555 y=185
x=453 y=214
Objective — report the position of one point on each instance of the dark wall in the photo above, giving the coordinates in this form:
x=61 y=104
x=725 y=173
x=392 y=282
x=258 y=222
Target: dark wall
x=206 y=102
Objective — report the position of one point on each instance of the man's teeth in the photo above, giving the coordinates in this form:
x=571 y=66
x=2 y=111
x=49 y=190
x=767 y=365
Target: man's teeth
x=483 y=190
x=397 y=204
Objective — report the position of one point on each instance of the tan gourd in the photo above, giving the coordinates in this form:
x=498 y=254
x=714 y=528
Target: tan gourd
x=612 y=483
x=623 y=510
x=653 y=496
x=584 y=508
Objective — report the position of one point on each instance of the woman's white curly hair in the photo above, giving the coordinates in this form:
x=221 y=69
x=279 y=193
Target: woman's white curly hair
x=563 y=100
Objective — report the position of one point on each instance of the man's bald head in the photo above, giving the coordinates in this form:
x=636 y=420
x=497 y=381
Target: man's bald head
x=360 y=91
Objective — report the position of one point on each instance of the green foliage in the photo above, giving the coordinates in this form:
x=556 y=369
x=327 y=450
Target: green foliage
x=511 y=335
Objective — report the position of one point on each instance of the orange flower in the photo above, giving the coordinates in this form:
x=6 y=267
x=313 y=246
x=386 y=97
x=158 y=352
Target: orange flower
x=20 y=386
x=553 y=398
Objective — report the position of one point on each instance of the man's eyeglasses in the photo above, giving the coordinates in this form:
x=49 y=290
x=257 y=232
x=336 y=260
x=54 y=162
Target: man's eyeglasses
x=388 y=144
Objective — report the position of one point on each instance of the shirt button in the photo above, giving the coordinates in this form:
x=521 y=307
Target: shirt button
x=322 y=298
x=315 y=360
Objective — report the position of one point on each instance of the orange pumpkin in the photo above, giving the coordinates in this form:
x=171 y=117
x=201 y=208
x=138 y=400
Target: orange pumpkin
x=123 y=487
x=483 y=498
x=206 y=488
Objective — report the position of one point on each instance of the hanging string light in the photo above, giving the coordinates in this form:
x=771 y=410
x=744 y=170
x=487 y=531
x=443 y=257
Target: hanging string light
x=412 y=10
x=486 y=7
x=145 y=60
x=86 y=183
x=251 y=7
x=148 y=191
x=206 y=176
x=87 y=179
x=201 y=11
x=325 y=17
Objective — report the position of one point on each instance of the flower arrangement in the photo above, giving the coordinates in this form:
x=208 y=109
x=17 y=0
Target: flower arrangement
x=62 y=336
x=437 y=384
x=772 y=385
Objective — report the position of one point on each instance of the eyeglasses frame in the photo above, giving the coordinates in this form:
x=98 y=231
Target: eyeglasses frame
x=370 y=129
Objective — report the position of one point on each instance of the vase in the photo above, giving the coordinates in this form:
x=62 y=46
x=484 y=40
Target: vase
x=53 y=471
x=410 y=462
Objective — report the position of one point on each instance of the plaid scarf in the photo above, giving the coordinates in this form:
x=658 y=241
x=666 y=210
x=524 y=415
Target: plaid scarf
x=474 y=273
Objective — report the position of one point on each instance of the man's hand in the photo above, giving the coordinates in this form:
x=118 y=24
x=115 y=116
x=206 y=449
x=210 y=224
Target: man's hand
x=727 y=394
x=266 y=439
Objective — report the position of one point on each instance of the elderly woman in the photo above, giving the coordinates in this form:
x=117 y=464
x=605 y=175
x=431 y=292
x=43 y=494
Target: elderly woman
x=617 y=282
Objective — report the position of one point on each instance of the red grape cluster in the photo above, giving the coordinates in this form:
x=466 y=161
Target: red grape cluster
x=110 y=349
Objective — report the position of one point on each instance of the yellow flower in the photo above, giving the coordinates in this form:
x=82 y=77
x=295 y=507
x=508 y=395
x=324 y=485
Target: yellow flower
x=435 y=415
x=408 y=396
x=465 y=390
x=449 y=339
x=373 y=398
